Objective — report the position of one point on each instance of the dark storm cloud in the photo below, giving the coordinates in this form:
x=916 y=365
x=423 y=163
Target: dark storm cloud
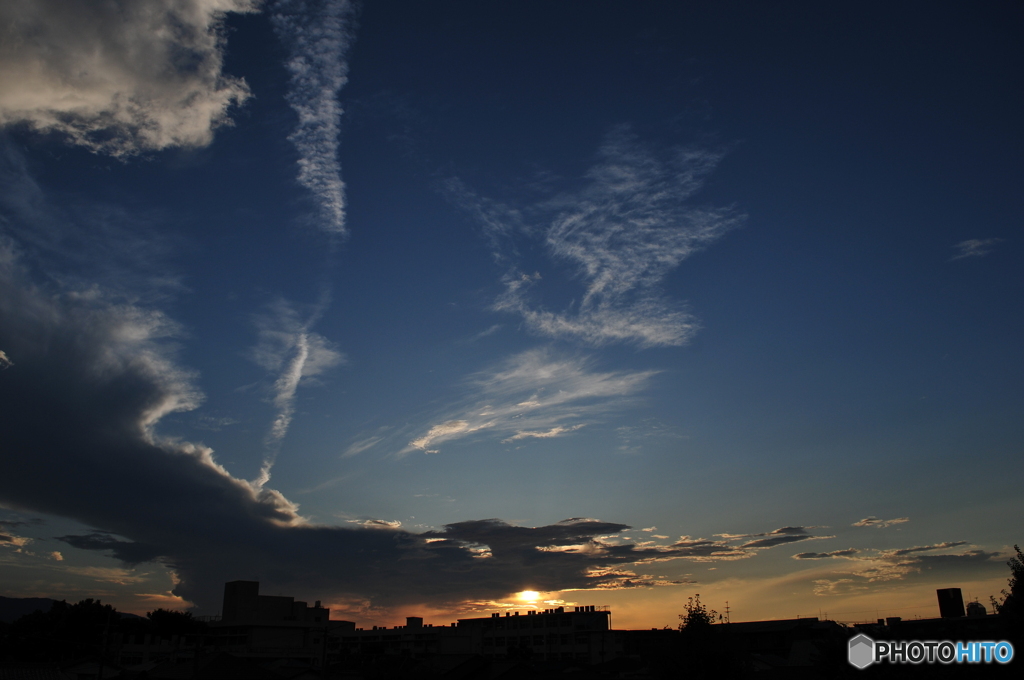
x=965 y=560
x=91 y=378
x=129 y=552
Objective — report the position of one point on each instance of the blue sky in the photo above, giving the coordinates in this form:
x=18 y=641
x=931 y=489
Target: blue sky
x=414 y=307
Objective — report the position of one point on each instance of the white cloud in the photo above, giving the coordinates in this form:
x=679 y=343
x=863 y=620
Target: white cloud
x=448 y=430
x=118 y=77
x=317 y=33
x=533 y=394
x=621 y=234
x=974 y=247
x=361 y=445
x=485 y=333
x=840 y=586
x=557 y=431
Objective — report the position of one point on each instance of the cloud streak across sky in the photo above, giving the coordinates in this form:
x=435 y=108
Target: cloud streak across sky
x=880 y=523
x=536 y=394
x=294 y=353
x=120 y=77
x=318 y=35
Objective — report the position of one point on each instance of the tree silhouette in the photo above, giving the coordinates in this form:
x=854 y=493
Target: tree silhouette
x=704 y=649
x=1012 y=606
x=165 y=623
x=698 y=618
x=66 y=632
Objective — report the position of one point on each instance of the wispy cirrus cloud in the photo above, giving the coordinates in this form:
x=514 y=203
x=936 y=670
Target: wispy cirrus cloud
x=318 y=34
x=974 y=247
x=535 y=394
x=556 y=431
x=879 y=523
x=118 y=78
x=365 y=443
x=631 y=224
x=839 y=586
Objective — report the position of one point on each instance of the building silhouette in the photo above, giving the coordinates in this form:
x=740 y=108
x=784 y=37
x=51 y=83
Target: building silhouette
x=269 y=626
x=275 y=637
x=951 y=603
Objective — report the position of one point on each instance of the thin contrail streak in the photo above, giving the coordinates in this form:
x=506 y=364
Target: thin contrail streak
x=284 y=399
x=317 y=34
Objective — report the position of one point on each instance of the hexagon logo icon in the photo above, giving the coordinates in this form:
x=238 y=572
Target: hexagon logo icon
x=861 y=651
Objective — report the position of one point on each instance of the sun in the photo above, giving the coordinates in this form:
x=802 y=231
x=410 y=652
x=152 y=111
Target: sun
x=528 y=596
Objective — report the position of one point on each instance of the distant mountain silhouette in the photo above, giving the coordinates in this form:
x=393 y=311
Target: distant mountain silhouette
x=13 y=608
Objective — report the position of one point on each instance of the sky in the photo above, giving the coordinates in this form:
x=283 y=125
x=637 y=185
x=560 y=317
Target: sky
x=448 y=308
